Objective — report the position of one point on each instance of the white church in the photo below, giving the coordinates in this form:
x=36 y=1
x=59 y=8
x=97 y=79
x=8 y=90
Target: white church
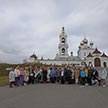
x=86 y=54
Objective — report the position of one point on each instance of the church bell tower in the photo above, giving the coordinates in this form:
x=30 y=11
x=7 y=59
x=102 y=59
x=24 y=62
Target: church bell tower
x=63 y=46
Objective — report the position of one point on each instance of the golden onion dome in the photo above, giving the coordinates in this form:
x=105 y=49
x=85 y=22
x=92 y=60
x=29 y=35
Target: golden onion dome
x=85 y=40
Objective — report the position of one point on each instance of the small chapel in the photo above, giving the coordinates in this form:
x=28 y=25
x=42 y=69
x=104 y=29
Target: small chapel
x=86 y=53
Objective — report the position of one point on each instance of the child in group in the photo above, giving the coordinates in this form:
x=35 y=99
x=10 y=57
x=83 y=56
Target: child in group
x=82 y=76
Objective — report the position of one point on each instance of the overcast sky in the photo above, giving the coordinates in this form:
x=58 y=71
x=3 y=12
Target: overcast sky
x=28 y=26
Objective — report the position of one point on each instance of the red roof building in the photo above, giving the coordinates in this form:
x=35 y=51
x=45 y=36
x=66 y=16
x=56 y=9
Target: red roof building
x=96 y=51
x=104 y=55
x=89 y=55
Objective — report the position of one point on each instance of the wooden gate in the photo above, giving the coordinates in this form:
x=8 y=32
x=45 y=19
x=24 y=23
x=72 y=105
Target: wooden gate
x=97 y=62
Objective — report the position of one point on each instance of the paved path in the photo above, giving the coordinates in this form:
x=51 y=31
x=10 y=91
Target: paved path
x=54 y=96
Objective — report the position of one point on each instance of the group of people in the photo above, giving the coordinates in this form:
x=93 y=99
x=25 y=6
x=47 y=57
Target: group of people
x=23 y=76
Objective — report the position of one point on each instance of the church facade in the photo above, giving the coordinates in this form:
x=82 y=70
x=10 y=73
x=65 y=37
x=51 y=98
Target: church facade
x=86 y=54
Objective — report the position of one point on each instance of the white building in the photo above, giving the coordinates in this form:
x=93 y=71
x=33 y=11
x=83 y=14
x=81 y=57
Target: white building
x=86 y=54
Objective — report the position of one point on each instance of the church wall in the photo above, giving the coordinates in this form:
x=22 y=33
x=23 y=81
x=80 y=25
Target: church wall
x=84 y=53
x=90 y=59
x=104 y=60
x=59 y=62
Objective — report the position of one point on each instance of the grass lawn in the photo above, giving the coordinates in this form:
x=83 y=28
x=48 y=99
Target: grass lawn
x=4 y=81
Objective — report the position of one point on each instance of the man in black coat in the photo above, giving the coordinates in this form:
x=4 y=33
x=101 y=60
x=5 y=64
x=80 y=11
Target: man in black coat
x=31 y=75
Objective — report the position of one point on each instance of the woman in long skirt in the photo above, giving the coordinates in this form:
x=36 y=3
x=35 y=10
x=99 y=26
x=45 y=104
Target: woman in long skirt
x=21 y=77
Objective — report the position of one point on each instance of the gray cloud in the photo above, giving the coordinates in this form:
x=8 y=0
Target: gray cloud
x=28 y=26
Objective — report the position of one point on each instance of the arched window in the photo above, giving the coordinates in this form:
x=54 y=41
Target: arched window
x=63 y=40
x=63 y=51
x=104 y=64
x=90 y=64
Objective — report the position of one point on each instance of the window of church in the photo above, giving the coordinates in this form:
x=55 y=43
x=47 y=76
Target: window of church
x=104 y=64
x=63 y=40
x=63 y=51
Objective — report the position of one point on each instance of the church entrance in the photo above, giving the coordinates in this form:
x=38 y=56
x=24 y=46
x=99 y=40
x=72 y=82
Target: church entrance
x=97 y=62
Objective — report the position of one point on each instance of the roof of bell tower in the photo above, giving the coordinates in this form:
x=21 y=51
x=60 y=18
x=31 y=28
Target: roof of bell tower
x=63 y=34
x=62 y=29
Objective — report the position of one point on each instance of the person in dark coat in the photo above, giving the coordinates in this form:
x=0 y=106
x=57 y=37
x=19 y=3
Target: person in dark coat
x=95 y=76
x=31 y=75
x=90 y=72
x=62 y=76
x=44 y=72
x=69 y=75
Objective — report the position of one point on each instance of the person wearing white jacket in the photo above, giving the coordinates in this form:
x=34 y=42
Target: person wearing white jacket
x=12 y=78
x=103 y=76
